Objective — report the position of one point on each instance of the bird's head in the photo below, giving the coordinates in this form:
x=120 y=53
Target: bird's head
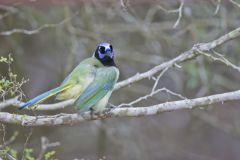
x=104 y=53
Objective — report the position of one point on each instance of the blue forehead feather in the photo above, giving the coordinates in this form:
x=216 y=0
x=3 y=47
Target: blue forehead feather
x=104 y=44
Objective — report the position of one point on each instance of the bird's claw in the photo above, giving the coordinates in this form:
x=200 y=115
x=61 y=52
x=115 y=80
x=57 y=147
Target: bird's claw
x=110 y=106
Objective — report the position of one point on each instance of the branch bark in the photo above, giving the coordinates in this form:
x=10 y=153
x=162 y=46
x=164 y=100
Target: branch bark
x=61 y=119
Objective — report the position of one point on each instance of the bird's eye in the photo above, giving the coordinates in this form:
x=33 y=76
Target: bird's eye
x=111 y=47
x=102 y=49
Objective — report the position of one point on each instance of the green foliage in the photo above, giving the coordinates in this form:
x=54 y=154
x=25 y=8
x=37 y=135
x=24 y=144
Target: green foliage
x=4 y=83
x=12 y=152
x=49 y=155
x=9 y=85
x=28 y=154
x=7 y=60
x=8 y=152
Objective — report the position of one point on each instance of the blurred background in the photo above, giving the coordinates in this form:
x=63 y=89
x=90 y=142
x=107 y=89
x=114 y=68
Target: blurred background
x=47 y=39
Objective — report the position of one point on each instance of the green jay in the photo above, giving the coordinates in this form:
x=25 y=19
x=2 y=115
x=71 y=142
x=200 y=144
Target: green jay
x=91 y=83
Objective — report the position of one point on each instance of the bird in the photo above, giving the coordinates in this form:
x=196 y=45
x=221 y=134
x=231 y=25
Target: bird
x=91 y=83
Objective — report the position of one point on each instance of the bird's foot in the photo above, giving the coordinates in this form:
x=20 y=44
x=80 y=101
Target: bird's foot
x=110 y=106
x=106 y=112
x=92 y=113
x=95 y=115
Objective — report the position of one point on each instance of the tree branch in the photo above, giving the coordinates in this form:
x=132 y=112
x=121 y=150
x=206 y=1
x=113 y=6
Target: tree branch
x=181 y=58
x=138 y=111
x=61 y=119
x=13 y=101
x=37 y=30
x=193 y=52
x=235 y=3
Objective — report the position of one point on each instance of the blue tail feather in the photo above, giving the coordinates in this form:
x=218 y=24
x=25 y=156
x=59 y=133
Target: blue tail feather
x=35 y=100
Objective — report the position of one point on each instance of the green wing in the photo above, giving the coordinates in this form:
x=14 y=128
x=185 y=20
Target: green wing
x=104 y=82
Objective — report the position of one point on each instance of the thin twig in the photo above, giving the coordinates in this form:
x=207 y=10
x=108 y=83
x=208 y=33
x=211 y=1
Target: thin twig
x=26 y=143
x=220 y=59
x=45 y=145
x=217 y=7
x=11 y=139
x=154 y=92
x=37 y=30
x=9 y=10
x=235 y=3
x=153 y=10
x=158 y=78
x=180 y=10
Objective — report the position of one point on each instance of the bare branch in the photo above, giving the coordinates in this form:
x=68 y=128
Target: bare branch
x=10 y=140
x=217 y=7
x=158 y=78
x=124 y=4
x=179 y=14
x=9 y=102
x=61 y=119
x=153 y=10
x=202 y=47
x=220 y=59
x=37 y=30
x=45 y=145
x=181 y=58
x=235 y=3
x=26 y=143
x=154 y=92
x=9 y=10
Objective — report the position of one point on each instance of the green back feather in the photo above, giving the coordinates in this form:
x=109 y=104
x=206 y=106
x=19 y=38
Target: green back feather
x=104 y=82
